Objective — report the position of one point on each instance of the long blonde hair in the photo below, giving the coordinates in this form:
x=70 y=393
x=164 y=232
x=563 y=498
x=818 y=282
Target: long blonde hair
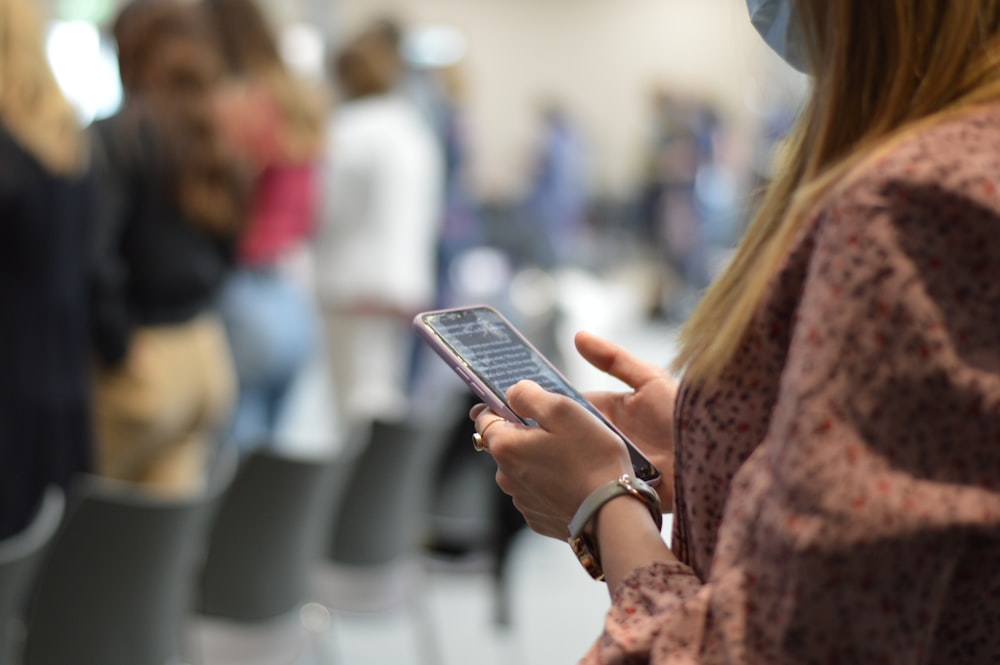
x=251 y=52
x=880 y=68
x=32 y=106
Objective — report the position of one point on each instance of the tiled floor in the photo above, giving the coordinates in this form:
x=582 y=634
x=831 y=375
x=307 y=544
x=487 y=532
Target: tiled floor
x=557 y=609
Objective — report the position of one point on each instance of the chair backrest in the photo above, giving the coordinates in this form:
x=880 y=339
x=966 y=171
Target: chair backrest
x=19 y=556
x=115 y=585
x=380 y=513
x=266 y=535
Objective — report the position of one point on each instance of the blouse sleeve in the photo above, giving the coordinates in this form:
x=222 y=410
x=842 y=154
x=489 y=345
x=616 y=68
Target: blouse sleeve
x=865 y=525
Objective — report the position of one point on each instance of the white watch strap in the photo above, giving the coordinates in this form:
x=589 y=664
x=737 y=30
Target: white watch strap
x=583 y=547
x=596 y=500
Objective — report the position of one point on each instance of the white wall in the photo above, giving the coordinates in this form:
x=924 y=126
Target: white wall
x=602 y=57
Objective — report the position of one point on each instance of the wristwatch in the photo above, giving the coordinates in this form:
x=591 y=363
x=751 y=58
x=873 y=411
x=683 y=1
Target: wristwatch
x=583 y=545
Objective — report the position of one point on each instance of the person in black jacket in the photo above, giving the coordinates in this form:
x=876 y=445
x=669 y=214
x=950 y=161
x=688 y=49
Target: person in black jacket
x=171 y=205
x=45 y=194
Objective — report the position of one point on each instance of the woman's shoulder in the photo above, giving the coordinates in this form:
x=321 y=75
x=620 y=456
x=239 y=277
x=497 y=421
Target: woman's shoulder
x=928 y=206
x=379 y=118
x=940 y=175
x=958 y=152
x=21 y=168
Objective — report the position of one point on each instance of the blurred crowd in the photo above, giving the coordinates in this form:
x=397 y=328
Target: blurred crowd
x=173 y=268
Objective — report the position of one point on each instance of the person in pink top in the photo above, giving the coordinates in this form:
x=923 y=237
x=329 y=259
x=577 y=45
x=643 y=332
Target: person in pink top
x=274 y=121
x=831 y=453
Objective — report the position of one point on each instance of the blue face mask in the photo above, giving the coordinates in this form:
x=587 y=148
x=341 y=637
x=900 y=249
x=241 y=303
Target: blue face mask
x=773 y=19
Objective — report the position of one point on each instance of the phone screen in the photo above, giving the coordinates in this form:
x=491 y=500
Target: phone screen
x=497 y=353
x=490 y=347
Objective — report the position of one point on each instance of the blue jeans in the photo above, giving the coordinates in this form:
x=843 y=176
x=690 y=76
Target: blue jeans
x=272 y=328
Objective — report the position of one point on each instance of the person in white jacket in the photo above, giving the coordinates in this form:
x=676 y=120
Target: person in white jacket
x=383 y=194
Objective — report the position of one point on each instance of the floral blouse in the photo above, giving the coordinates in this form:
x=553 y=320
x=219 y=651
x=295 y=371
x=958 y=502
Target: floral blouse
x=838 y=490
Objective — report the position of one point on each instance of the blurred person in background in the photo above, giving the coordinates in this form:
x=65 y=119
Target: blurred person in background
x=382 y=200
x=45 y=197
x=680 y=146
x=461 y=228
x=412 y=81
x=438 y=92
x=275 y=121
x=555 y=206
x=831 y=453
x=173 y=201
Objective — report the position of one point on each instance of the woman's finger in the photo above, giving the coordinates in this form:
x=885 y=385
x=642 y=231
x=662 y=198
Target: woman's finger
x=531 y=401
x=476 y=410
x=614 y=360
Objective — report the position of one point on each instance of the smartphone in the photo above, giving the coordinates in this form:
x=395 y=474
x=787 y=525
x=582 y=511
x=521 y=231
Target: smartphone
x=487 y=352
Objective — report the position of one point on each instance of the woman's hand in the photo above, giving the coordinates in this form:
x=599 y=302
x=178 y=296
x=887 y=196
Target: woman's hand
x=646 y=414
x=549 y=470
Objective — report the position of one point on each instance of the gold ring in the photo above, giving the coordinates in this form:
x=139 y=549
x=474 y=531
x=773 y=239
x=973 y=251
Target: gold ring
x=479 y=439
x=491 y=424
x=479 y=443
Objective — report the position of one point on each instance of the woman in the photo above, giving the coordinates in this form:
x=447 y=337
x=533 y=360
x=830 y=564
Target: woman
x=173 y=200
x=837 y=425
x=275 y=122
x=383 y=193
x=45 y=196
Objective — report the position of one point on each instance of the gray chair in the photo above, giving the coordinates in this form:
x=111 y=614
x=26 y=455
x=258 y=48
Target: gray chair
x=470 y=516
x=19 y=556
x=373 y=557
x=265 y=538
x=116 y=582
